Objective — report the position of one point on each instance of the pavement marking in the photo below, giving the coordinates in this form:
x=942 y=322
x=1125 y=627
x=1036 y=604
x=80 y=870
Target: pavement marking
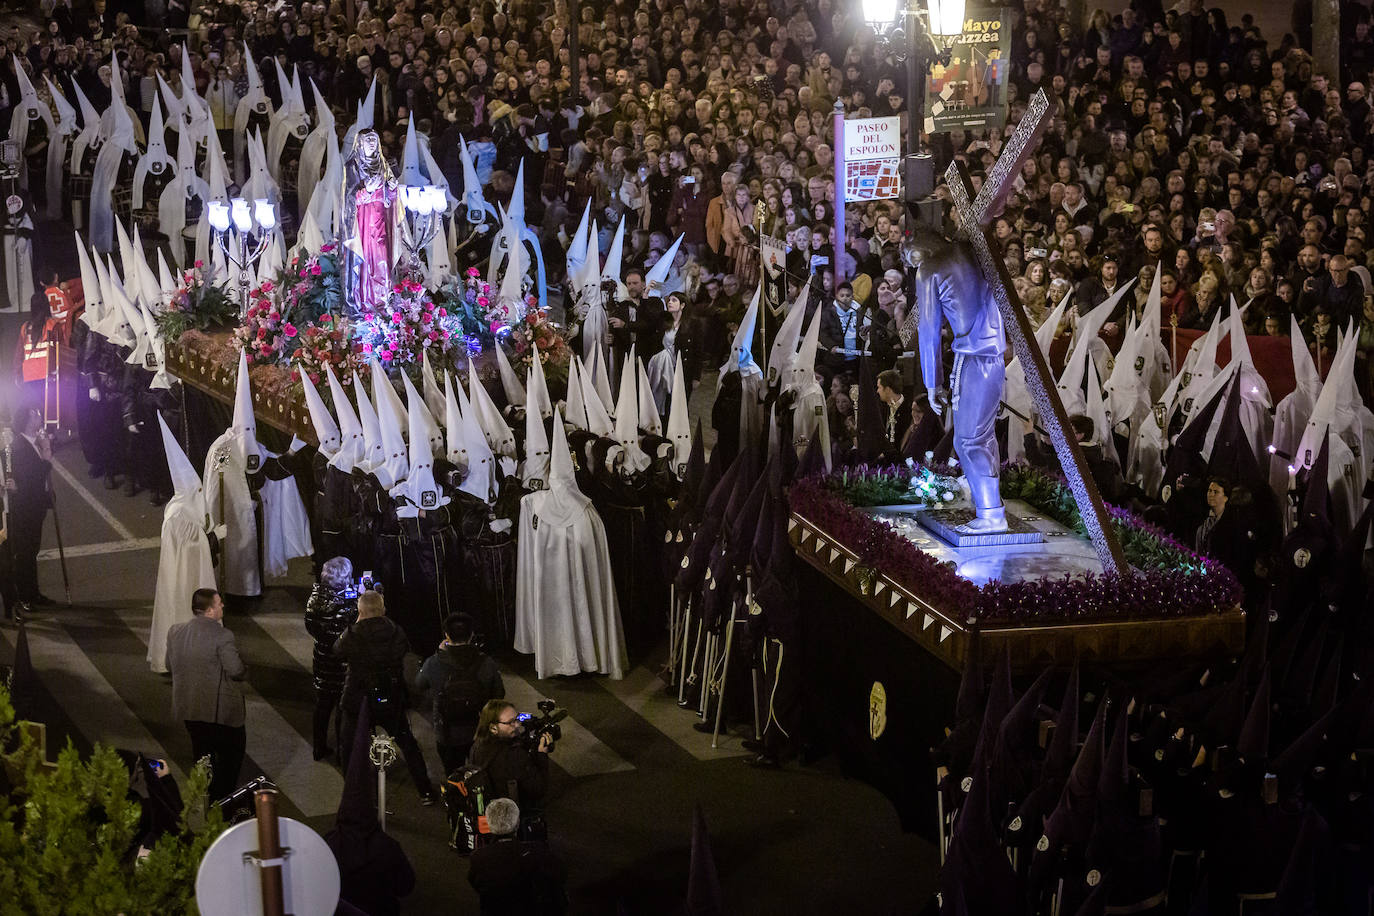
x=274 y=744
x=97 y=550
x=94 y=503
x=580 y=753
x=85 y=695
x=643 y=692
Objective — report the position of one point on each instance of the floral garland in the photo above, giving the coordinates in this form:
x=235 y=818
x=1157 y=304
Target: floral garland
x=1169 y=580
x=196 y=305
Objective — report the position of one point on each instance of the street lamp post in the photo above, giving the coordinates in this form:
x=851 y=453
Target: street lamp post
x=257 y=220
x=424 y=206
x=910 y=37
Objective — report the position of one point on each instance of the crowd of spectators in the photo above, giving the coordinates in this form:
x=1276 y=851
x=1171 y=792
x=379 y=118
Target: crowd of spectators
x=1235 y=164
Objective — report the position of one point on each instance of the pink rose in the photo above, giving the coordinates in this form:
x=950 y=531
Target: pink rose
x=472 y=271
x=265 y=350
x=443 y=313
x=367 y=348
x=386 y=356
x=483 y=301
x=267 y=286
x=199 y=264
x=289 y=329
x=325 y=319
x=326 y=247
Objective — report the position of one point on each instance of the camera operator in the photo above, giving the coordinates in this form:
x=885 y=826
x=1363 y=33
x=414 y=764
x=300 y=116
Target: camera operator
x=514 y=769
x=374 y=648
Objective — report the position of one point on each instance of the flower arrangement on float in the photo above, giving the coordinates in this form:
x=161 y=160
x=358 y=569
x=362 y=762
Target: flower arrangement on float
x=329 y=342
x=313 y=285
x=1168 y=579
x=197 y=304
x=536 y=337
x=402 y=328
x=265 y=331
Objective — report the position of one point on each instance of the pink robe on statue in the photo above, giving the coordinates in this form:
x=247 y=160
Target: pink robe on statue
x=374 y=238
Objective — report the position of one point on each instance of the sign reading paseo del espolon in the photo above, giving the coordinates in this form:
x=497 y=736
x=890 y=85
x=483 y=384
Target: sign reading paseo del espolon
x=872 y=158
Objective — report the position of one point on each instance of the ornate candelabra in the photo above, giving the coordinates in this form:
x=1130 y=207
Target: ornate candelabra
x=257 y=222
x=424 y=206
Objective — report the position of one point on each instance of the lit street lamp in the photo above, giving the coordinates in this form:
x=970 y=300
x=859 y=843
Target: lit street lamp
x=908 y=31
x=257 y=220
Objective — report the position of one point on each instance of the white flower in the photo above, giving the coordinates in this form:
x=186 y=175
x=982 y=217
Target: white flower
x=947 y=496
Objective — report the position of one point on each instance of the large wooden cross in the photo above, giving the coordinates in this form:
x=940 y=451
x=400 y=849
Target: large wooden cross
x=975 y=215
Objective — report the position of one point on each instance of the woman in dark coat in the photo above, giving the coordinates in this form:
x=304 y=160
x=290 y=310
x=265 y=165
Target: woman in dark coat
x=331 y=609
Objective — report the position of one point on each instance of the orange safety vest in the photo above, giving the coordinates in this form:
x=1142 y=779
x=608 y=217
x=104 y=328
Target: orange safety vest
x=39 y=359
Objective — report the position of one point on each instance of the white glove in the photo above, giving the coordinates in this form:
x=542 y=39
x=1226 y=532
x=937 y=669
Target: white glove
x=221 y=532
x=95 y=394
x=297 y=443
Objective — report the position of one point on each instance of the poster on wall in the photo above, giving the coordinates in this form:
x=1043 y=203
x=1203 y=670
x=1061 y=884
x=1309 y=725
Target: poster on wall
x=970 y=92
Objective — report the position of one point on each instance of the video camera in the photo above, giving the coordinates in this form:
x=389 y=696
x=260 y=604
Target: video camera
x=546 y=724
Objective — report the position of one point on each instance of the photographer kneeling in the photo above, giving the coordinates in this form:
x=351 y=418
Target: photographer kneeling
x=514 y=768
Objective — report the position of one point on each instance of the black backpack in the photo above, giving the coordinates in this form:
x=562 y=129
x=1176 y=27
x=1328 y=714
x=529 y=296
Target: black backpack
x=459 y=700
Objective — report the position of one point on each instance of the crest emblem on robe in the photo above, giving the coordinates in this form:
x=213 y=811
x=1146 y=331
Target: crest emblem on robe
x=429 y=499
x=1139 y=364
x=253 y=462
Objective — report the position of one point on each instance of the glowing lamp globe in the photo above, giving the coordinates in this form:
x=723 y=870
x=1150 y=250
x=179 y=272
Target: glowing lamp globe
x=879 y=12
x=946 y=16
x=265 y=214
x=243 y=219
x=219 y=216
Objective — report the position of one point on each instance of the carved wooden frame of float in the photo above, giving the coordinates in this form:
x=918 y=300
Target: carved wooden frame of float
x=277 y=401
x=1032 y=646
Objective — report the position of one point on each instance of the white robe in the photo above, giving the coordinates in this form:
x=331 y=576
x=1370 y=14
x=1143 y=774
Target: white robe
x=285 y=526
x=1290 y=421
x=566 y=613
x=183 y=566
x=18 y=254
x=809 y=421
x=241 y=573
x=753 y=416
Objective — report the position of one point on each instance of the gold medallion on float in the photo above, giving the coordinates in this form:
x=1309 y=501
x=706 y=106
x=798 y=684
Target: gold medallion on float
x=877 y=710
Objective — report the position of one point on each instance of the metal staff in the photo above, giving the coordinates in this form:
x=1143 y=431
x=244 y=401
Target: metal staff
x=61 y=554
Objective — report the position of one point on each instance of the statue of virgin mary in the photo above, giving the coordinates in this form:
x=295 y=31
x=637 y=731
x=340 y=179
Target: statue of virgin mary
x=369 y=227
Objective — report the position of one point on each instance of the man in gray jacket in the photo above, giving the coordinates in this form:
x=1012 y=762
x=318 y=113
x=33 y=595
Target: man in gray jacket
x=206 y=670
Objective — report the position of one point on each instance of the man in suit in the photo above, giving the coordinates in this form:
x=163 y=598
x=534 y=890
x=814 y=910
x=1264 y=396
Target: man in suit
x=206 y=669
x=895 y=413
x=636 y=320
x=30 y=496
